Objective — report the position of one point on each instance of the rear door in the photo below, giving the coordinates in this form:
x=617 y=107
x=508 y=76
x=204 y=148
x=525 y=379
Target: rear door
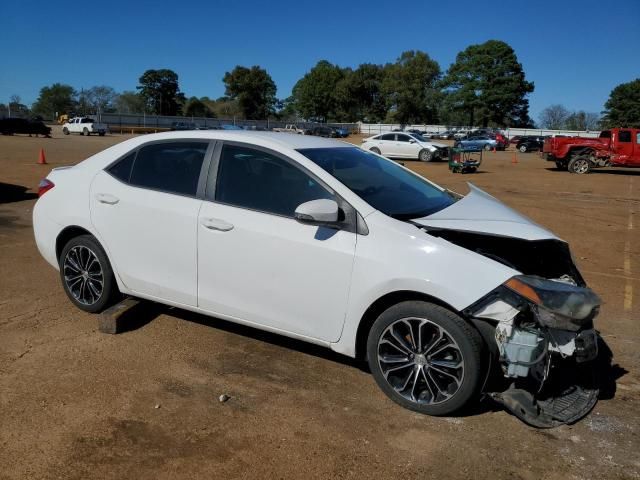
x=145 y=209
x=387 y=144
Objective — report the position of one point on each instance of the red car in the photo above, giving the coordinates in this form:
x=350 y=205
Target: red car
x=618 y=147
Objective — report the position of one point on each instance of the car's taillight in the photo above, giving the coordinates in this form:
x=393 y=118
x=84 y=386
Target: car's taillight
x=44 y=186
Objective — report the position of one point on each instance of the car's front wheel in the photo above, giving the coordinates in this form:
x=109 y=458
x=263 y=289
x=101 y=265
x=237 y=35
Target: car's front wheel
x=85 y=131
x=425 y=155
x=87 y=277
x=523 y=148
x=425 y=357
x=375 y=150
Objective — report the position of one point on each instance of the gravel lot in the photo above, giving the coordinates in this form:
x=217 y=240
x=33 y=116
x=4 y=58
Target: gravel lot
x=75 y=403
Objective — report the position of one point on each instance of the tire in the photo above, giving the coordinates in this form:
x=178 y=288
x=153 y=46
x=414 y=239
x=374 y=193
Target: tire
x=487 y=147
x=425 y=155
x=523 y=148
x=83 y=264
x=580 y=164
x=375 y=150
x=449 y=388
x=101 y=134
x=65 y=130
x=85 y=131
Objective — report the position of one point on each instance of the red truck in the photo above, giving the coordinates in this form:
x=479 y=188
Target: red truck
x=618 y=147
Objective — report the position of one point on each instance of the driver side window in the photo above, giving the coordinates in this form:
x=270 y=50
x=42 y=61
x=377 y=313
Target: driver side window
x=257 y=180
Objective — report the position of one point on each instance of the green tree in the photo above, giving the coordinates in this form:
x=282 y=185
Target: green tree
x=102 y=98
x=411 y=88
x=314 y=95
x=55 y=99
x=488 y=83
x=129 y=102
x=16 y=107
x=195 y=107
x=582 y=120
x=623 y=107
x=359 y=94
x=224 y=107
x=160 y=91
x=253 y=88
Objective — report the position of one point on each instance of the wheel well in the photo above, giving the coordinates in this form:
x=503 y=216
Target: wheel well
x=67 y=234
x=579 y=151
x=379 y=306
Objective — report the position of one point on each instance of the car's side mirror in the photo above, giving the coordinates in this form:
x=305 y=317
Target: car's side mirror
x=318 y=212
x=412 y=141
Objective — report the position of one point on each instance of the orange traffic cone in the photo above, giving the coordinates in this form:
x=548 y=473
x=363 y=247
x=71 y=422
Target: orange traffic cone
x=41 y=158
x=514 y=158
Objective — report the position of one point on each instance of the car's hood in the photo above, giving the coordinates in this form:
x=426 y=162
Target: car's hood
x=481 y=213
x=435 y=144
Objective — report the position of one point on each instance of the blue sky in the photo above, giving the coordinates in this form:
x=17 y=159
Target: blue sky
x=574 y=51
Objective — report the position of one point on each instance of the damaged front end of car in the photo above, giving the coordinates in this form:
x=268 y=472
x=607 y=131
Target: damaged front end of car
x=539 y=324
x=546 y=345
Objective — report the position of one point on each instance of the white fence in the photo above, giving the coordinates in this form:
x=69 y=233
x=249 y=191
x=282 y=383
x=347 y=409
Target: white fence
x=375 y=128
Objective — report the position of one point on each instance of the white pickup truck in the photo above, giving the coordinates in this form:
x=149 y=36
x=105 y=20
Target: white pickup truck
x=292 y=128
x=84 y=126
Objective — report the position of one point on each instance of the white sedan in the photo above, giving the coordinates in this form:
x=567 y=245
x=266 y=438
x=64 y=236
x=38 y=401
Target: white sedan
x=405 y=145
x=325 y=242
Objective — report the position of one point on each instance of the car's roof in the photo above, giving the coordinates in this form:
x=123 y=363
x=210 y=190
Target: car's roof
x=283 y=139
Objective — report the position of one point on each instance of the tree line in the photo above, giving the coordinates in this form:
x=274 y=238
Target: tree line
x=485 y=86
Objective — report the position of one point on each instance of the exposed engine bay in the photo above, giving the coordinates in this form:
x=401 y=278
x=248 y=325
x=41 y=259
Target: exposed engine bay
x=541 y=328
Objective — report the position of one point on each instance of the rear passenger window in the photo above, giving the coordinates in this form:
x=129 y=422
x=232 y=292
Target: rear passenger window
x=257 y=180
x=170 y=167
x=122 y=169
x=625 y=136
x=388 y=136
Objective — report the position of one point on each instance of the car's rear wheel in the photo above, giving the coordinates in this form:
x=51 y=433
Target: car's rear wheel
x=87 y=277
x=85 y=131
x=65 y=130
x=580 y=164
x=375 y=150
x=101 y=134
x=487 y=147
x=523 y=148
x=425 y=357
x=425 y=155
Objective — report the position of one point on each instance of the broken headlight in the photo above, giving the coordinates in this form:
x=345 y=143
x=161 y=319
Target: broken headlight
x=556 y=304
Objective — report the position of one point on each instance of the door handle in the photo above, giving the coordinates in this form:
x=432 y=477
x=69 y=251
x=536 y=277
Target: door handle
x=107 y=198
x=217 y=224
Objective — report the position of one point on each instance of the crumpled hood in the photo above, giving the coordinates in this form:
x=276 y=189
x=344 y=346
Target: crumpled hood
x=481 y=213
x=436 y=144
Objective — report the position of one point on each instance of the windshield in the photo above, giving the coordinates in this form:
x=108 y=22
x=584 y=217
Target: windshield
x=418 y=137
x=381 y=183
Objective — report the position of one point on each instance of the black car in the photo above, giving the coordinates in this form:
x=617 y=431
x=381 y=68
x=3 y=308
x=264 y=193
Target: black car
x=9 y=126
x=328 y=132
x=530 y=143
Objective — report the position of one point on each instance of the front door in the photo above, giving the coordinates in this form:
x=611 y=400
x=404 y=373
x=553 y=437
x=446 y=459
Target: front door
x=256 y=263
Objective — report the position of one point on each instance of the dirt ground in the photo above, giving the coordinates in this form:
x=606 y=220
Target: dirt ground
x=75 y=403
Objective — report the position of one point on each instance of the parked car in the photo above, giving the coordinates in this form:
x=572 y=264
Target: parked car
x=479 y=143
x=181 y=126
x=446 y=135
x=13 y=125
x=617 y=147
x=291 y=128
x=530 y=143
x=84 y=126
x=325 y=131
x=331 y=244
x=342 y=132
x=515 y=139
x=405 y=145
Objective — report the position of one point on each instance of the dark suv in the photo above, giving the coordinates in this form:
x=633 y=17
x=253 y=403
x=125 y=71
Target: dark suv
x=323 y=131
x=530 y=143
x=9 y=126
